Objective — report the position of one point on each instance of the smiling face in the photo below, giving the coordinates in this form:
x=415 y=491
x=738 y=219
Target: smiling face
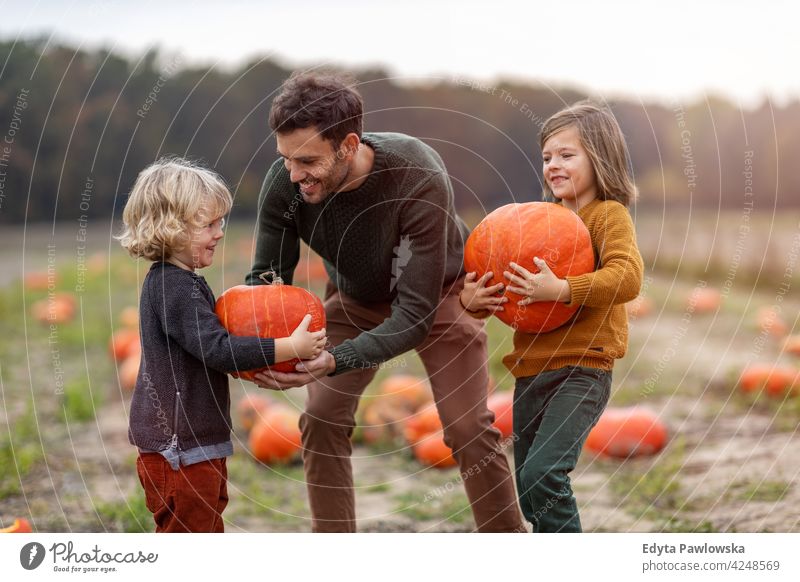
x=568 y=170
x=313 y=163
x=203 y=239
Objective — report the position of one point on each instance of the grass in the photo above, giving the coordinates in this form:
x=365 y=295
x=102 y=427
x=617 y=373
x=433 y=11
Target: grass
x=78 y=402
x=768 y=491
x=22 y=451
x=129 y=516
x=651 y=488
x=452 y=506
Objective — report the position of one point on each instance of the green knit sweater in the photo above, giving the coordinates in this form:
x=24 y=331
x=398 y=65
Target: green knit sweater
x=394 y=239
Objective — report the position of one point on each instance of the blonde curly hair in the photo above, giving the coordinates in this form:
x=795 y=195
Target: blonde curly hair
x=170 y=198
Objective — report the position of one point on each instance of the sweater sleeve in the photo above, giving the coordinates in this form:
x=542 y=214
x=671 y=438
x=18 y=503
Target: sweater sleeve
x=187 y=318
x=619 y=278
x=417 y=271
x=277 y=239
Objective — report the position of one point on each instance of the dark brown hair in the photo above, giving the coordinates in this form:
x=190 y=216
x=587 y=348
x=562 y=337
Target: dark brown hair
x=326 y=101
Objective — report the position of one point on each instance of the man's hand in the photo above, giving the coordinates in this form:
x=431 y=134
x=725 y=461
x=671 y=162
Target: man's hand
x=307 y=372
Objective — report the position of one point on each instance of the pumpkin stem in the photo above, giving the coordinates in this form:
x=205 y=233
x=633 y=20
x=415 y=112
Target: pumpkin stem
x=271 y=278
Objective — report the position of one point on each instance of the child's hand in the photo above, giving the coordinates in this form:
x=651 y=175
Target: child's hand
x=476 y=296
x=542 y=286
x=307 y=345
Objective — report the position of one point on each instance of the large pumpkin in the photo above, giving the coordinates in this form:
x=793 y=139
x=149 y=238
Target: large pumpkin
x=627 y=432
x=518 y=233
x=273 y=310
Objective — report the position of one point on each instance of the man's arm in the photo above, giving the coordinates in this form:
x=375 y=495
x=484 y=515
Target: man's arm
x=423 y=230
x=277 y=239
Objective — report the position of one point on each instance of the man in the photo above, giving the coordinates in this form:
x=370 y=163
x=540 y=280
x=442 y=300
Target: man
x=378 y=208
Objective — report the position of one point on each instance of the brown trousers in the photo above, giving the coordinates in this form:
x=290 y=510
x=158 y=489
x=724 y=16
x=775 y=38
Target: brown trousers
x=455 y=358
x=190 y=499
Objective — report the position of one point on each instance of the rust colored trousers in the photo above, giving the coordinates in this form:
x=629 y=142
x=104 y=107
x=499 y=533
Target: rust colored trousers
x=455 y=359
x=190 y=499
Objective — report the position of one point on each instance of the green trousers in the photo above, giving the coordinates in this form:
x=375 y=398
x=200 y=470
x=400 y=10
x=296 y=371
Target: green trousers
x=553 y=414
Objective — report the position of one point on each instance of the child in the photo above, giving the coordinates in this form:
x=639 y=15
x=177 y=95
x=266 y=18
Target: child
x=180 y=411
x=563 y=377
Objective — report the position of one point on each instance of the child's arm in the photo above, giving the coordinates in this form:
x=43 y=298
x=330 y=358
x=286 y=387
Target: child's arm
x=302 y=344
x=479 y=300
x=187 y=318
x=618 y=280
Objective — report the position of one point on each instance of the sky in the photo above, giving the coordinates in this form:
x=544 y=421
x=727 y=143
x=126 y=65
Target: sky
x=643 y=50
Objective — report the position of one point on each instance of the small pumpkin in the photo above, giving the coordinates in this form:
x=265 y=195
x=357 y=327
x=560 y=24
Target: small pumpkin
x=642 y=306
x=406 y=391
x=422 y=423
x=250 y=409
x=271 y=310
x=432 y=451
x=57 y=308
x=38 y=280
x=124 y=343
x=20 y=525
x=276 y=438
x=776 y=380
x=704 y=300
x=502 y=404
x=129 y=371
x=792 y=345
x=770 y=322
x=627 y=432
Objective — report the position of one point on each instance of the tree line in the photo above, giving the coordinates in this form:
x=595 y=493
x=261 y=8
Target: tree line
x=71 y=117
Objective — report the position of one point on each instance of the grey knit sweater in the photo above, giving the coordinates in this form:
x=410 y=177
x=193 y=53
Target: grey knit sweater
x=395 y=238
x=181 y=399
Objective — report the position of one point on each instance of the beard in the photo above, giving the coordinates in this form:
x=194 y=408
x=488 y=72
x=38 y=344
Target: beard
x=316 y=189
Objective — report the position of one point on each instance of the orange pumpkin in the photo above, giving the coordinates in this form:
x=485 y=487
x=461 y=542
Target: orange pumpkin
x=775 y=380
x=38 y=280
x=272 y=310
x=124 y=343
x=57 y=308
x=406 y=390
x=382 y=421
x=518 y=233
x=431 y=450
x=129 y=371
x=129 y=317
x=20 y=525
x=792 y=345
x=276 y=437
x=642 y=306
x=627 y=432
x=768 y=321
x=502 y=404
x=704 y=300
x=424 y=422
x=250 y=409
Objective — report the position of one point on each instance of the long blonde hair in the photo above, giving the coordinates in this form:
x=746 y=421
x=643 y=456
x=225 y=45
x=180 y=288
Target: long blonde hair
x=169 y=198
x=605 y=145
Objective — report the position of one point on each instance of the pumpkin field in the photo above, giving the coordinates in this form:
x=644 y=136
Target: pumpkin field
x=701 y=433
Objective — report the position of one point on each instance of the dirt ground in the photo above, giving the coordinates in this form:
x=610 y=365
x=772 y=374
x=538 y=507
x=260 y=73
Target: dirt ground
x=732 y=462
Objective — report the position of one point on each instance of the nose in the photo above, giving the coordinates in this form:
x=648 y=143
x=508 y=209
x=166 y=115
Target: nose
x=296 y=174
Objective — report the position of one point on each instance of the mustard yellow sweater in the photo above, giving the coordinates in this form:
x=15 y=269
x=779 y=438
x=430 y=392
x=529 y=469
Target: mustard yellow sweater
x=598 y=333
